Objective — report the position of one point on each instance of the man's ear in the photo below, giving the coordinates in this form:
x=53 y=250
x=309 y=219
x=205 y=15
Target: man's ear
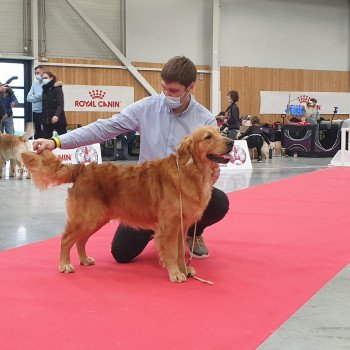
x=185 y=149
x=191 y=86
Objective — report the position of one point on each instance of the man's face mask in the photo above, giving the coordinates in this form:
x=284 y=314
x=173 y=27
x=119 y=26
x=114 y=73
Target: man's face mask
x=173 y=102
x=38 y=77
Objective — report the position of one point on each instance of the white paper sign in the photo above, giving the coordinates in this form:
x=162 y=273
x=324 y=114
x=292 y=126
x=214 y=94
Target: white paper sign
x=275 y=102
x=240 y=158
x=94 y=98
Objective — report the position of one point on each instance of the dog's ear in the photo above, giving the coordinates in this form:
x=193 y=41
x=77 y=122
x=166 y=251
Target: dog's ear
x=185 y=149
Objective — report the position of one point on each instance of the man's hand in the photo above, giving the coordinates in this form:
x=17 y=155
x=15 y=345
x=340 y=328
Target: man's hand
x=3 y=87
x=4 y=116
x=215 y=172
x=54 y=119
x=40 y=144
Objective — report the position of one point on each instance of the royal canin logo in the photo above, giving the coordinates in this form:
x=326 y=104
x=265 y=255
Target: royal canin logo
x=97 y=100
x=97 y=94
x=303 y=99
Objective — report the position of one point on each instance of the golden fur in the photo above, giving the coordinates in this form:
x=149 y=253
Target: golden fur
x=145 y=195
x=11 y=148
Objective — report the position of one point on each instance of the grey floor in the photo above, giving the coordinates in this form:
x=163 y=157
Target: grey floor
x=28 y=215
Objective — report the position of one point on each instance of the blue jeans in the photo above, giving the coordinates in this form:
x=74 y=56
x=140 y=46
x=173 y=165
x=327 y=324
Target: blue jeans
x=7 y=126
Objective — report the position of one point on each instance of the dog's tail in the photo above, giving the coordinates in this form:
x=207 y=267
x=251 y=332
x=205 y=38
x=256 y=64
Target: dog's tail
x=47 y=169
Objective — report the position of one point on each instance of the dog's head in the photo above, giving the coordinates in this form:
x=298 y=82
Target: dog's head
x=206 y=144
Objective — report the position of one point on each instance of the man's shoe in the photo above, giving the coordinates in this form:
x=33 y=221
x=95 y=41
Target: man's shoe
x=259 y=159
x=200 y=250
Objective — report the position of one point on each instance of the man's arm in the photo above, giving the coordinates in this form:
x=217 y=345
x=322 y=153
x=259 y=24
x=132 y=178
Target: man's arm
x=96 y=132
x=32 y=97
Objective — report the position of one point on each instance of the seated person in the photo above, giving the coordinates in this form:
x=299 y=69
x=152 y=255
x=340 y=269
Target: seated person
x=255 y=137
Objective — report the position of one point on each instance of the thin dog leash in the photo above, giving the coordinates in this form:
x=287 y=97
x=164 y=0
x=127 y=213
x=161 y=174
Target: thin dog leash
x=182 y=228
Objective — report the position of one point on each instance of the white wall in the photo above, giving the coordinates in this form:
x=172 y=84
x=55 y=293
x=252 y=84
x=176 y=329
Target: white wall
x=157 y=30
x=309 y=34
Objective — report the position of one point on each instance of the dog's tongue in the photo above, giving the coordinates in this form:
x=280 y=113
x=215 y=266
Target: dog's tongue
x=228 y=156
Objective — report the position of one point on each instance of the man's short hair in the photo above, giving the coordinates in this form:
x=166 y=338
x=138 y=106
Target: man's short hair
x=179 y=69
x=40 y=66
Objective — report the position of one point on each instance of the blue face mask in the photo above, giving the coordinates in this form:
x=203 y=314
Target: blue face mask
x=173 y=102
x=38 y=77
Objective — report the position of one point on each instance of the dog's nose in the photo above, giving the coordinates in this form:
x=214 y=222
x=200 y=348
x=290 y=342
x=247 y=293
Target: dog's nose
x=229 y=142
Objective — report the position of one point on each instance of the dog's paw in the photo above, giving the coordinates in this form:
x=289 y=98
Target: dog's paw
x=66 y=268
x=177 y=277
x=88 y=261
x=190 y=271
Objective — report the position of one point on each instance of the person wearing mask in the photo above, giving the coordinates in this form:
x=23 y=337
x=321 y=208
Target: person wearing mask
x=35 y=97
x=9 y=101
x=233 y=121
x=53 y=117
x=163 y=121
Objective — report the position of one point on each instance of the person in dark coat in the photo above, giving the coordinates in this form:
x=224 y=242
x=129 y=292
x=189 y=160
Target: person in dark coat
x=233 y=121
x=53 y=116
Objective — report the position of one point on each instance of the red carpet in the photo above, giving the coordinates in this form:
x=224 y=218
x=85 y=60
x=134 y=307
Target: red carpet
x=279 y=244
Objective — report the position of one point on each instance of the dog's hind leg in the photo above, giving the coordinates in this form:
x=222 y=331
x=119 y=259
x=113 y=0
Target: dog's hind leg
x=81 y=243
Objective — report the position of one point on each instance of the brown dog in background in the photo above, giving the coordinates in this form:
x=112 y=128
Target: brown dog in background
x=147 y=195
x=11 y=148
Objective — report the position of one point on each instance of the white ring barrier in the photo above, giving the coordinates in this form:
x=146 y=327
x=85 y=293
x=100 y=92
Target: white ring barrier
x=342 y=158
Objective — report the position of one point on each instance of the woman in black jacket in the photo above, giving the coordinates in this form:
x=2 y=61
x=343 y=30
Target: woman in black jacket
x=53 y=117
x=233 y=121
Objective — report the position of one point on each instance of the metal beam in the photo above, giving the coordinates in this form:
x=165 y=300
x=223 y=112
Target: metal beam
x=73 y=4
x=35 y=31
x=215 y=93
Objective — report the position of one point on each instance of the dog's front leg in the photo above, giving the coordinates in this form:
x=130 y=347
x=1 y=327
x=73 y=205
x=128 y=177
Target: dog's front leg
x=166 y=238
x=67 y=241
x=12 y=168
x=186 y=270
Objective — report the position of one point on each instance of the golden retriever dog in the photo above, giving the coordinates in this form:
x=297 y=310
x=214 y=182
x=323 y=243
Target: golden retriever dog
x=11 y=148
x=153 y=195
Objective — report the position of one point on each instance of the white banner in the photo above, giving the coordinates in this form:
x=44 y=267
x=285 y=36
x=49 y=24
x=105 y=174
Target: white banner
x=81 y=155
x=275 y=102
x=240 y=157
x=92 y=98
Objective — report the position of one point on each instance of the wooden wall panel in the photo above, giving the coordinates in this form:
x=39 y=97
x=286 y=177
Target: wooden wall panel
x=248 y=81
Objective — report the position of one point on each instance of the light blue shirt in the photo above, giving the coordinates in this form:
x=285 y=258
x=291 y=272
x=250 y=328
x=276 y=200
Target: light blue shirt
x=160 y=129
x=35 y=96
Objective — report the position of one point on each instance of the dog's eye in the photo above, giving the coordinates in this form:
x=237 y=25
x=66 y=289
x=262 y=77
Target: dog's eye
x=208 y=137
